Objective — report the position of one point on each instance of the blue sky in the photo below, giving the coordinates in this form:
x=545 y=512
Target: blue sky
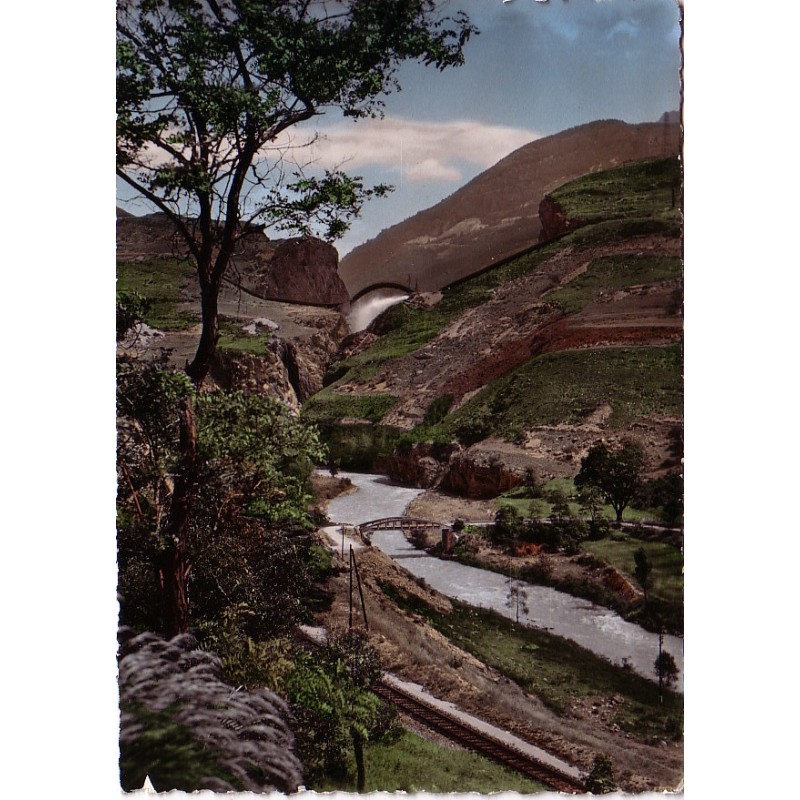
x=536 y=68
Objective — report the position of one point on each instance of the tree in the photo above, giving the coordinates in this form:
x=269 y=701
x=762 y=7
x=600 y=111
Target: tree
x=506 y=528
x=207 y=91
x=666 y=669
x=615 y=473
x=333 y=707
x=517 y=598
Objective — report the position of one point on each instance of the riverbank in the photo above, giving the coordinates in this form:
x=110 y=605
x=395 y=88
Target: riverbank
x=405 y=616
x=581 y=575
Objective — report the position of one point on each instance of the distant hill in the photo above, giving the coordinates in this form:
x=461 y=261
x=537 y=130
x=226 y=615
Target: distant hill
x=495 y=215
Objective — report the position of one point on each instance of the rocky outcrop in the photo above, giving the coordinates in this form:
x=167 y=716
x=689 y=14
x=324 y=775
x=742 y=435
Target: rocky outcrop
x=302 y=270
x=299 y=270
x=449 y=467
x=479 y=478
x=263 y=375
x=421 y=464
x=155 y=236
x=555 y=221
x=291 y=369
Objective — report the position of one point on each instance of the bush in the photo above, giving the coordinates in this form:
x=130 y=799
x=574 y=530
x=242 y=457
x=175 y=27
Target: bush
x=601 y=778
x=507 y=526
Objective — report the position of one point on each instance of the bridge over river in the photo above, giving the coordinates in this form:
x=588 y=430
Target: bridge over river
x=401 y=523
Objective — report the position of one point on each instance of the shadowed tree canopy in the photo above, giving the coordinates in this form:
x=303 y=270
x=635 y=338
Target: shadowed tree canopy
x=615 y=473
x=207 y=91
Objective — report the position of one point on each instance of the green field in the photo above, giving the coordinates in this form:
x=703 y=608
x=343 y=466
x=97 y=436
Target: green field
x=327 y=405
x=667 y=563
x=413 y=764
x=520 y=499
x=633 y=191
x=158 y=280
x=234 y=339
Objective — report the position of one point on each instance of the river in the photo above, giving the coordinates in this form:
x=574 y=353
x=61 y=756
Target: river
x=598 y=629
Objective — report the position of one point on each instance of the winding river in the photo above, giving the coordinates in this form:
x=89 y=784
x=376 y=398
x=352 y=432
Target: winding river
x=598 y=629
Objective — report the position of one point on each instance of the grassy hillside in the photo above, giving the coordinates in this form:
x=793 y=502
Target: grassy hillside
x=567 y=386
x=617 y=206
x=649 y=189
x=614 y=272
x=158 y=280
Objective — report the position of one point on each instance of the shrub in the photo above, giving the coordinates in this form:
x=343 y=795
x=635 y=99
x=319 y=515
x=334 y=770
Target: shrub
x=601 y=778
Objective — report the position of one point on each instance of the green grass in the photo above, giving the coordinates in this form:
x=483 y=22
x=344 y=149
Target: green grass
x=233 y=338
x=356 y=446
x=413 y=764
x=520 y=499
x=158 y=280
x=556 y=670
x=565 y=387
x=615 y=272
x=328 y=405
x=407 y=329
x=667 y=563
x=633 y=191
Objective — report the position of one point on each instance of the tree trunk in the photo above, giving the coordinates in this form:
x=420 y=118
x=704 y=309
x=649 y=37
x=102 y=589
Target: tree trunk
x=201 y=365
x=174 y=563
x=361 y=770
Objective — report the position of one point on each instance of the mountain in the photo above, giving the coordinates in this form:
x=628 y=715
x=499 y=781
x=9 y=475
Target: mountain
x=495 y=215
x=527 y=364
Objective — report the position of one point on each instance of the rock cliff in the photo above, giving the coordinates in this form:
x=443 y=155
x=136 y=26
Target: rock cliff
x=298 y=270
x=449 y=467
x=301 y=270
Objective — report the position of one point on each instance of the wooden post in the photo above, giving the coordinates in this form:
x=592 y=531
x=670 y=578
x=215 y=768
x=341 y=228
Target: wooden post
x=360 y=592
x=350 y=624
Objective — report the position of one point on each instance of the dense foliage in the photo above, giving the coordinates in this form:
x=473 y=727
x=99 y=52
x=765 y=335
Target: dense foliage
x=248 y=516
x=335 y=713
x=616 y=473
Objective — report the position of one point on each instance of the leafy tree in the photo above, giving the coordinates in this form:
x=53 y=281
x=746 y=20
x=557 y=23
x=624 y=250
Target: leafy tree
x=591 y=504
x=208 y=89
x=131 y=308
x=333 y=707
x=559 y=506
x=666 y=669
x=642 y=569
x=666 y=494
x=615 y=473
x=506 y=528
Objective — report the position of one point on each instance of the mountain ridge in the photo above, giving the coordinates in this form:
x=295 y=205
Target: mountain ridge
x=495 y=215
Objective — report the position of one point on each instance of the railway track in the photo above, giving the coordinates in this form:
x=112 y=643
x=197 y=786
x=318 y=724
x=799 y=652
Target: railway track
x=478 y=742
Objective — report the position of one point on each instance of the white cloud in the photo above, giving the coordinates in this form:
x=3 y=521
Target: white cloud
x=424 y=151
